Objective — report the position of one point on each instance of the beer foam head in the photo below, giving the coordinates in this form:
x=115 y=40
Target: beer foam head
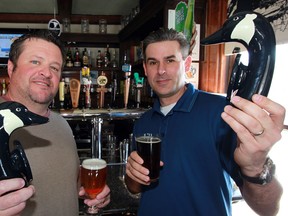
x=94 y=164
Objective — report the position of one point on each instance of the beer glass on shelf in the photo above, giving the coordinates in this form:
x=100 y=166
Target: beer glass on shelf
x=93 y=179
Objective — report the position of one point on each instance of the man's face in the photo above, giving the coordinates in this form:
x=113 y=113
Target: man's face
x=165 y=68
x=37 y=75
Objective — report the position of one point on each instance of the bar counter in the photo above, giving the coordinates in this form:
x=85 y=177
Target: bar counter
x=108 y=114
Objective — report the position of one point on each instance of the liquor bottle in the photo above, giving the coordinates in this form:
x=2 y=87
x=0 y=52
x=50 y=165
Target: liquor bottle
x=189 y=21
x=69 y=60
x=89 y=57
x=107 y=57
x=77 y=59
x=85 y=58
x=99 y=59
x=114 y=62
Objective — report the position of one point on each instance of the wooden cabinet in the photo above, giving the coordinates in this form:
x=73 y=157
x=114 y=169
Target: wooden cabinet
x=90 y=40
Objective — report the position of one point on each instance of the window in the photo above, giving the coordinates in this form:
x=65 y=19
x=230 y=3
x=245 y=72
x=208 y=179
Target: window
x=279 y=87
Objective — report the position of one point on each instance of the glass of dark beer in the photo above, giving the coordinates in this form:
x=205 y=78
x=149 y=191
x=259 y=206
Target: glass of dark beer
x=93 y=179
x=149 y=149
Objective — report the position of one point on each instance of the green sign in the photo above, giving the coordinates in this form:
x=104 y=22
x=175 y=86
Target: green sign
x=180 y=16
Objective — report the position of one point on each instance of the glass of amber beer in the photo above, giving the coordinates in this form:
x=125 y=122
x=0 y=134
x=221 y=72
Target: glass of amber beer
x=149 y=149
x=93 y=179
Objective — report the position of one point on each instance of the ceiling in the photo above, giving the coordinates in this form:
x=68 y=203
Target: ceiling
x=92 y=7
x=38 y=10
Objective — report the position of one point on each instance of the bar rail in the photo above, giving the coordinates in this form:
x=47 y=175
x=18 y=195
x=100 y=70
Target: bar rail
x=108 y=114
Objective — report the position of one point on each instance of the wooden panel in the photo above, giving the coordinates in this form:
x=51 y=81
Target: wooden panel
x=213 y=77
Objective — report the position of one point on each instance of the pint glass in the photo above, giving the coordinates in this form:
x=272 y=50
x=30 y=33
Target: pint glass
x=149 y=149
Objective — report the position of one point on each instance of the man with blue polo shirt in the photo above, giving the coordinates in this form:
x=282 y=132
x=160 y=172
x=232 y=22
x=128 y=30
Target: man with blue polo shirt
x=205 y=141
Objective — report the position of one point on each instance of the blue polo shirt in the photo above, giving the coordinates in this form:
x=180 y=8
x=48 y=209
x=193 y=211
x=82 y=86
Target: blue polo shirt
x=197 y=151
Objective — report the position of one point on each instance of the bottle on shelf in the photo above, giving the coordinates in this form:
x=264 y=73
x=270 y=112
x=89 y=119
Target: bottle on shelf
x=89 y=57
x=107 y=57
x=114 y=62
x=99 y=59
x=77 y=58
x=85 y=58
x=69 y=59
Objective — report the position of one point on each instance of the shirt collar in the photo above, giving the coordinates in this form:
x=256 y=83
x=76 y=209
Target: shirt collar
x=184 y=104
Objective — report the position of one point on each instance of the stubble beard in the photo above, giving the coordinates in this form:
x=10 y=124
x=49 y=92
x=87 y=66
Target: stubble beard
x=40 y=98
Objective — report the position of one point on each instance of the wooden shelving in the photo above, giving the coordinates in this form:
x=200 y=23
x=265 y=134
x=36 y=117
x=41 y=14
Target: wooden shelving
x=90 y=39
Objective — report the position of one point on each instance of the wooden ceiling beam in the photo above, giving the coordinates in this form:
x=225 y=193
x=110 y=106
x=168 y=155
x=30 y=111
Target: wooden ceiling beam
x=25 y=18
x=44 y=18
x=64 y=10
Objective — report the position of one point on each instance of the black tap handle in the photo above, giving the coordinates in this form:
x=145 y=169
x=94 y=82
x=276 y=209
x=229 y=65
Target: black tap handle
x=20 y=163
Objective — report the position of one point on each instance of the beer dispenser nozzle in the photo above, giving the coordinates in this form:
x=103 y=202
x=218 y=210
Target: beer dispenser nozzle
x=15 y=164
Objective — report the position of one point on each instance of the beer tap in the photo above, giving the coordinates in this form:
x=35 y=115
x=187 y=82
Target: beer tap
x=87 y=85
x=114 y=90
x=102 y=81
x=138 y=86
x=126 y=68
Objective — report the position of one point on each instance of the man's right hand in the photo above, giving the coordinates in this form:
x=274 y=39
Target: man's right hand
x=13 y=196
x=135 y=169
